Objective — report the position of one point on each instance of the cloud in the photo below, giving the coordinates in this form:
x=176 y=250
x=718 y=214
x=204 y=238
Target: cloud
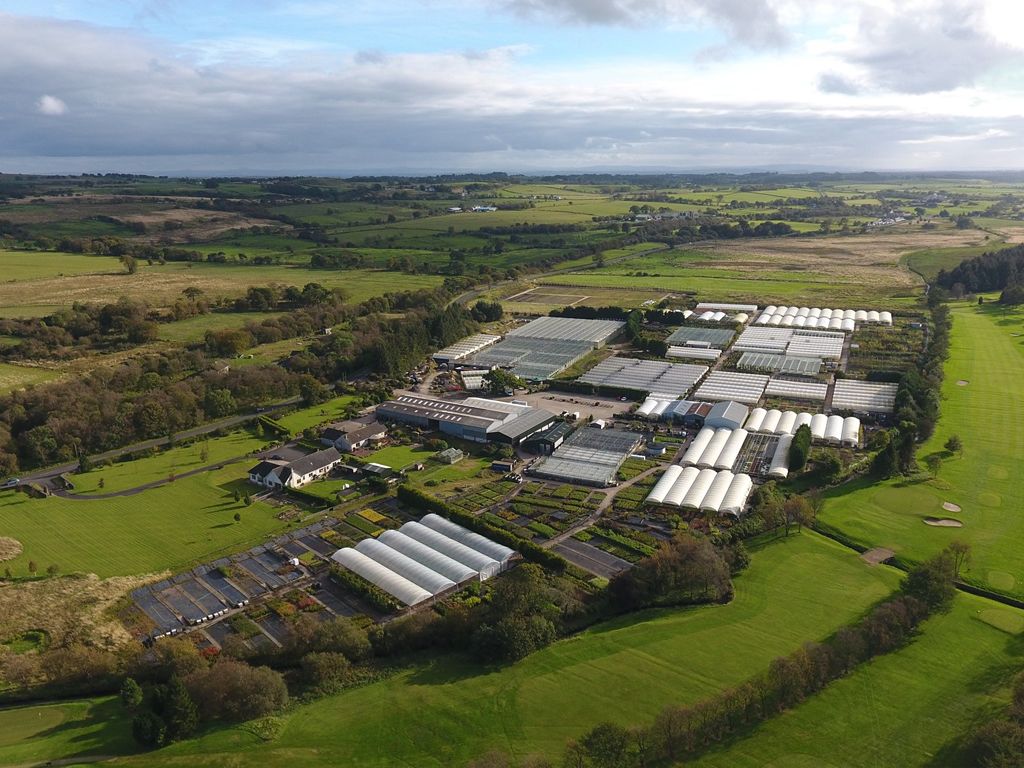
x=754 y=23
x=936 y=47
x=51 y=105
x=830 y=82
x=142 y=104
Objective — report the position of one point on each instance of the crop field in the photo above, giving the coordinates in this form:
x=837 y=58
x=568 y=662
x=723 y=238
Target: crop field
x=20 y=376
x=163 y=528
x=982 y=403
x=907 y=708
x=161 y=466
x=162 y=284
x=542 y=298
x=78 y=728
x=444 y=713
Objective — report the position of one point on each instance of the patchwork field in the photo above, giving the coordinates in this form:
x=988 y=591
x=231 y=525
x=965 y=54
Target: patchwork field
x=444 y=713
x=908 y=708
x=163 y=528
x=985 y=410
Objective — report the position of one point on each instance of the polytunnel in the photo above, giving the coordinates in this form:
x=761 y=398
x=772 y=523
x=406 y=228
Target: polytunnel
x=434 y=560
x=714 y=449
x=697 y=446
x=712 y=501
x=779 y=467
x=851 y=431
x=699 y=489
x=737 y=495
x=771 y=421
x=755 y=419
x=731 y=450
x=834 y=430
x=664 y=484
x=479 y=562
x=682 y=486
x=468 y=538
x=397 y=586
x=819 y=422
x=405 y=566
x=787 y=423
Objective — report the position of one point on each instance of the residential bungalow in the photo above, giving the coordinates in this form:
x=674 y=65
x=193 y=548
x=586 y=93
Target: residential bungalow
x=348 y=436
x=295 y=474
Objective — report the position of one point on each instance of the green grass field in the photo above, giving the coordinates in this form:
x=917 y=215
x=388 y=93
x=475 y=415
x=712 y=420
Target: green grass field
x=16 y=266
x=164 y=528
x=195 y=328
x=332 y=410
x=987 y=352
x=399 y=456
x=929 y=261
x=131 y=474
x=908 y=708
x=444 y=713
x=28 y=735
x=20 y=376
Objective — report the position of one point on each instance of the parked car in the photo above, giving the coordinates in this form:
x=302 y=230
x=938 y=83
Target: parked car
x=11 y=483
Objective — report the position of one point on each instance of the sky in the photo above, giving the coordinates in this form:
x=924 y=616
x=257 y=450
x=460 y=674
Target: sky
x=344 y=87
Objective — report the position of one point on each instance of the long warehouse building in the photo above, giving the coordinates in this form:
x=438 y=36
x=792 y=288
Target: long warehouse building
x=475 y=418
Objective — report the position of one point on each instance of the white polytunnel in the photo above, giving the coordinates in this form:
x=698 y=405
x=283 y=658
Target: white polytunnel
x=405 y=566
x=682 y=486
x=715 y=495
x=874 y=316
x=731 y=450
x=885 y=317
x=742 y=317
x=849 y=326
x=481 y=544
x=479 y=562
x=819 y=422
x=397 y=586
x=859 y=315
x=696 y=449
x=648 y=406
x=834 y=430
x=851 y=431
x=699 y=489
x=664 y=484
x=771 y=421
x=436 y=561
x=802 y=419
x=737 y=495
x=755 y=420
x=714 y=449
x=779 y=467
x=787 y=423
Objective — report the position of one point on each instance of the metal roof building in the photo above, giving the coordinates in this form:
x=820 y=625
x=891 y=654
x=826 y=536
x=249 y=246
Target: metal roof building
x=589 y=456
x=465 y=347
x=594 y=332
x=475 y=418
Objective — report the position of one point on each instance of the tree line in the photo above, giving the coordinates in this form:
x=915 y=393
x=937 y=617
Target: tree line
x=991 y=271
x=681 y=732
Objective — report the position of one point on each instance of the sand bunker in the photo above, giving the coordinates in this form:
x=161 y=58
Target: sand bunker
x=943 y=522
x=962 y=383
x=949 y=506
x=877 y=555
x=9 y=548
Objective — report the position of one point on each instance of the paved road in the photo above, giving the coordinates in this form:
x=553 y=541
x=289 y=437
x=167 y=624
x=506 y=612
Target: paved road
x=49 y=473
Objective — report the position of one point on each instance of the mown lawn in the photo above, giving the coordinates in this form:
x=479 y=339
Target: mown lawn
x=399 y=456
x=909 y=708
x=165 y=528
x=443 y=713
x=987 y=411
x=332 y=410
x=73 y=729
x=167 y=463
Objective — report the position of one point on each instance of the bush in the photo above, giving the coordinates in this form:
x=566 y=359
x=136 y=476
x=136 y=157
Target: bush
x=800 y=448
x=234 y=691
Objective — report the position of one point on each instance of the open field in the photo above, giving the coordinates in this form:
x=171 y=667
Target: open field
x=908 y=708
x=77 y=728
x=21 y=376
x=164 y=528
x=16 y=266
x=542 y=298
x=332 y=410
x=195 y=328
x=444 y=713
x=987 y=353
x=162 y=465
x=162 y=284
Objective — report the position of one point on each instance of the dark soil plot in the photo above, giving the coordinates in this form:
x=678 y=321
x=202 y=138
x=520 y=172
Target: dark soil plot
x=592 y=559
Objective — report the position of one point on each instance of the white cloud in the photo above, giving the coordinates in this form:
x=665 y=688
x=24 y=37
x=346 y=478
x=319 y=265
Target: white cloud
x=51 y=105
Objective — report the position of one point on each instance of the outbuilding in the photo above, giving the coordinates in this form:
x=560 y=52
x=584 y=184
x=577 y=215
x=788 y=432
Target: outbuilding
x=727 y=414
